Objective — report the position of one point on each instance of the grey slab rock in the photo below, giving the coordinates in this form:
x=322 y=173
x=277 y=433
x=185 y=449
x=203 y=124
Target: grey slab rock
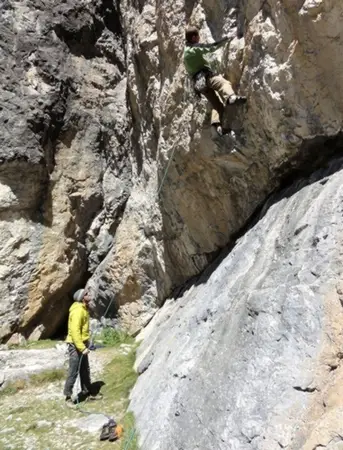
x=91 y=424
x=249 y=356
x=21 y=364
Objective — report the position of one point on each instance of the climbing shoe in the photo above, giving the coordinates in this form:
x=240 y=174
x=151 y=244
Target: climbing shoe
x=236 y=100
x=105 y=433
x=226 y=131
x=217 y=128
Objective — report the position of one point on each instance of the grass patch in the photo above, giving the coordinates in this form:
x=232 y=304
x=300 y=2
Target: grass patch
x=130 y=439
x=12 y=388
x=37 y=379
x=38 y=345
x=48 y=423
x=111 y=337
x=48 y=376
x=119 y=378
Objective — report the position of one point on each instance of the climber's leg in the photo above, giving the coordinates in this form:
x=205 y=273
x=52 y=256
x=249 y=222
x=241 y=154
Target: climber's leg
x=217 y=106
x=217 y=111
x=224 y=88
x=215 y=119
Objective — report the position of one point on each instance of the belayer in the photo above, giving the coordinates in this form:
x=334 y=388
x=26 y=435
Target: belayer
x=78 y=341
x=214 y=87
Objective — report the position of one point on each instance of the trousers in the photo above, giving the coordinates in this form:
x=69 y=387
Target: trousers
x=218 y=91
x=77 y=362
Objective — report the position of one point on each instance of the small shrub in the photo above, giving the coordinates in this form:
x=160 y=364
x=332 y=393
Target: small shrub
x=111 y=337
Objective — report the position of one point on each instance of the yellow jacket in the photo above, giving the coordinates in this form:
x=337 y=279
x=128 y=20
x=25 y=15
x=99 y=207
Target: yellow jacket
x=78 y=326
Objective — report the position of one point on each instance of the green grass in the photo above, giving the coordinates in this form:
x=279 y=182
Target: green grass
x=39 y=345
x=48 y=376
x=111 y=337
x=130 y=439
x=27 y=405
x=119 y=378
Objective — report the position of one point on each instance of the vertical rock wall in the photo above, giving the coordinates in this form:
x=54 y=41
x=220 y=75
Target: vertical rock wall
x=109 y=172
x=65 y=168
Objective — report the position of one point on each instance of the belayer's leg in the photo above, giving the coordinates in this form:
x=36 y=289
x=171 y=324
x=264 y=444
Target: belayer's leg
x=85 y=376
x=73 y=371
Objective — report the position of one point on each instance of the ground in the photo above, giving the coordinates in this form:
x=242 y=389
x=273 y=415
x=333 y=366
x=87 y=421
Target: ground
x=33 y=414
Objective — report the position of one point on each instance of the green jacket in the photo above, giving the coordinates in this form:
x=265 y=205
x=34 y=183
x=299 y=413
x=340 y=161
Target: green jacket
x=78 y=326
x=194 y=55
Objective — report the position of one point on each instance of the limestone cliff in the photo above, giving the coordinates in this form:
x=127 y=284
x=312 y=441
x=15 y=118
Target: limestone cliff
x=94 y=107
x=250 y=355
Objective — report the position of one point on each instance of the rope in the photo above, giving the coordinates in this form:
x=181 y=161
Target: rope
x=108 y=307
x=132 y=434
x=166 y=171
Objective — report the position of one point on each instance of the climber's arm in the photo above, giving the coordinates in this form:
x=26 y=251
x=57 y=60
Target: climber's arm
x=209 y=48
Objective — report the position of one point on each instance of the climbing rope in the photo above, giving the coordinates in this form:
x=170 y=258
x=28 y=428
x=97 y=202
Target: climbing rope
x=132 y=435
x=108 y=307
x=166 y=171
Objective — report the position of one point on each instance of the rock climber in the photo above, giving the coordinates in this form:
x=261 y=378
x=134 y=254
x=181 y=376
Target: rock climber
x=78 y=341
x=214 y=87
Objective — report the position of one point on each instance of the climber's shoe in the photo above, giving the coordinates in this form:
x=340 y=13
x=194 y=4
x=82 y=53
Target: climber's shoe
x=105 y=432
x=225 y=131
x=236 y=100
x=216 y=129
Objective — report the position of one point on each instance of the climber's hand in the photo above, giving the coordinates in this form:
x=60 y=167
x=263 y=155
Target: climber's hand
x=86 y=351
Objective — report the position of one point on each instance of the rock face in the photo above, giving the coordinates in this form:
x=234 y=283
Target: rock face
x=65 y=168
x=109 y=172
x=21 y=364
x=250 y=356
